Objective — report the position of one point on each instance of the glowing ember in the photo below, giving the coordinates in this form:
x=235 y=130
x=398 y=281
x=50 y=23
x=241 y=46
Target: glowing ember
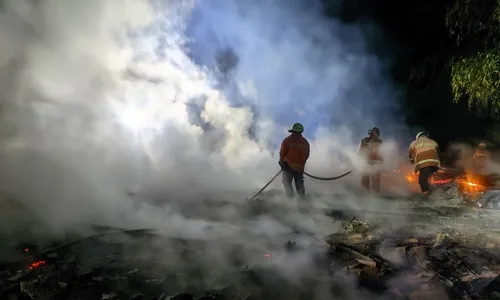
x=441 y=181
x=37 y=264
x=411 y=177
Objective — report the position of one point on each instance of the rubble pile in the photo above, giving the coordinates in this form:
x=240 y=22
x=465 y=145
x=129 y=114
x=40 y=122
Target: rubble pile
x=102 y=270
x=385 y=262
x=403 y=263
x=443 y=265
x=143 y=268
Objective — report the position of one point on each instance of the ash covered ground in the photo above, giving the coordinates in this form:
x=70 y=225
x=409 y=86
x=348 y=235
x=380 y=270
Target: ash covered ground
x=438 y=249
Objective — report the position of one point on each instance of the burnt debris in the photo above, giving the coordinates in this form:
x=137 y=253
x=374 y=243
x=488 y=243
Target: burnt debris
x=391 y=263
x=442 y=265
x=365 y=260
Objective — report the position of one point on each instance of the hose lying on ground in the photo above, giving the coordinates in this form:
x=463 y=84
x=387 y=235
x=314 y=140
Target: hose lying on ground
x=307 y=174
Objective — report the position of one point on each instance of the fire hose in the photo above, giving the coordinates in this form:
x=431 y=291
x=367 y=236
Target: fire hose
x=307 y=174
x=329 y=178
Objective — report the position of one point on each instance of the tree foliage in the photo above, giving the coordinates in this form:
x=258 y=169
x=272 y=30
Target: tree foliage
x=474 y=27
x=477 y=78
x=474 y=24
x=446 y=56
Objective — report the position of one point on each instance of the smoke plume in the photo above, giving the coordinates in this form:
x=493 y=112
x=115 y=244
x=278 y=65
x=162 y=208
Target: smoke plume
x=133 y=113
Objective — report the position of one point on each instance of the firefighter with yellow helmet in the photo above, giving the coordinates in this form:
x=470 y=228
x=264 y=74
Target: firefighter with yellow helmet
x=424 y=155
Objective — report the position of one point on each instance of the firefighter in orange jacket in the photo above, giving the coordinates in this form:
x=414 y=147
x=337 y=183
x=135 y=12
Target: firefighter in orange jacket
x=480 y=158
x=370 y=149
x=424 y=155
x=294 y=153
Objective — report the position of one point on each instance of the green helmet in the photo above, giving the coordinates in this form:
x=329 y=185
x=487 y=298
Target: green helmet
x=296 y=128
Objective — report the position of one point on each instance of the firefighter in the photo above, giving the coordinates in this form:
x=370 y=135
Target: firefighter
x=480 y=158
x=294 y=153
x=369 y=148
x=424 y=155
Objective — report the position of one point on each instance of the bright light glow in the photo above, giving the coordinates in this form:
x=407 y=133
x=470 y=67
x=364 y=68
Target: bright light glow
x=134 y=119
x=150 y=118
x=140 y=120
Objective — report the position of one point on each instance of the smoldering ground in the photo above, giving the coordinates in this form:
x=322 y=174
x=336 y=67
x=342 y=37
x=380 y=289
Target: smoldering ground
x=101 y=100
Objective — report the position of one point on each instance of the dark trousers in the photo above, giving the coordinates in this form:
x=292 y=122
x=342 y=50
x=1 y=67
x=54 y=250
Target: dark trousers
x=290 y=175
x=375 y=180
x=478 y=169
x=424 y=178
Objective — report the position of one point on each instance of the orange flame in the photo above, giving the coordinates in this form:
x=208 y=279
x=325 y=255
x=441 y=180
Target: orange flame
x=472 y=183
x=472 y=187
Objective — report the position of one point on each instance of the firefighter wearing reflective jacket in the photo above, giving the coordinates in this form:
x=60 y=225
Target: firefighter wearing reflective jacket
x=294 y=153
x=480 y=159
x=369 y=148
x=424 y=155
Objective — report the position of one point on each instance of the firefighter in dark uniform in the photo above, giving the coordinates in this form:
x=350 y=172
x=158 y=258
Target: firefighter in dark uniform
x=369 y=148
x=480 y=159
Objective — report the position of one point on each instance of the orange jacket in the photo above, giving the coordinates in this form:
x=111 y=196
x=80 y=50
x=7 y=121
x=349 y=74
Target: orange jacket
x=423 y=152
x=295 y=151
x=480 y=157
x=370 y=148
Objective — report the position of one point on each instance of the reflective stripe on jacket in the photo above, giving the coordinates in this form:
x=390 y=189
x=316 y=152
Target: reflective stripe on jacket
x=370 y=149
x=295 y=151
x=480 y=157
x=423 y=152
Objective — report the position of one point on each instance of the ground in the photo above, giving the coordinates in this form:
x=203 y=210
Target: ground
x=392 y=248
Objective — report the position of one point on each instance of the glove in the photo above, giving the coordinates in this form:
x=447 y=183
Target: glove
x=283 y=164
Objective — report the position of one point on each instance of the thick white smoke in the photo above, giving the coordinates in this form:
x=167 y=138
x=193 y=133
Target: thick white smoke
x=175 y=100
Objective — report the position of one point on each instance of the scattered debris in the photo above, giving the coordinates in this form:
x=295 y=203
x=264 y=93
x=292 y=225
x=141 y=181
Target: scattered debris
x=407 y=262
x=111 y=269
x=446 y=265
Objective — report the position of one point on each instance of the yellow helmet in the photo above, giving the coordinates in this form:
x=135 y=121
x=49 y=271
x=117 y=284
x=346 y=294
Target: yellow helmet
x=482 y=145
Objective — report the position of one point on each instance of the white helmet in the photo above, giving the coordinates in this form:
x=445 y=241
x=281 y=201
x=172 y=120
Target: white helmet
x=421 y=133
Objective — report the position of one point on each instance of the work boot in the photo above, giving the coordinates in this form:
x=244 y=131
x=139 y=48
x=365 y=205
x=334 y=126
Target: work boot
x=302 y=197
